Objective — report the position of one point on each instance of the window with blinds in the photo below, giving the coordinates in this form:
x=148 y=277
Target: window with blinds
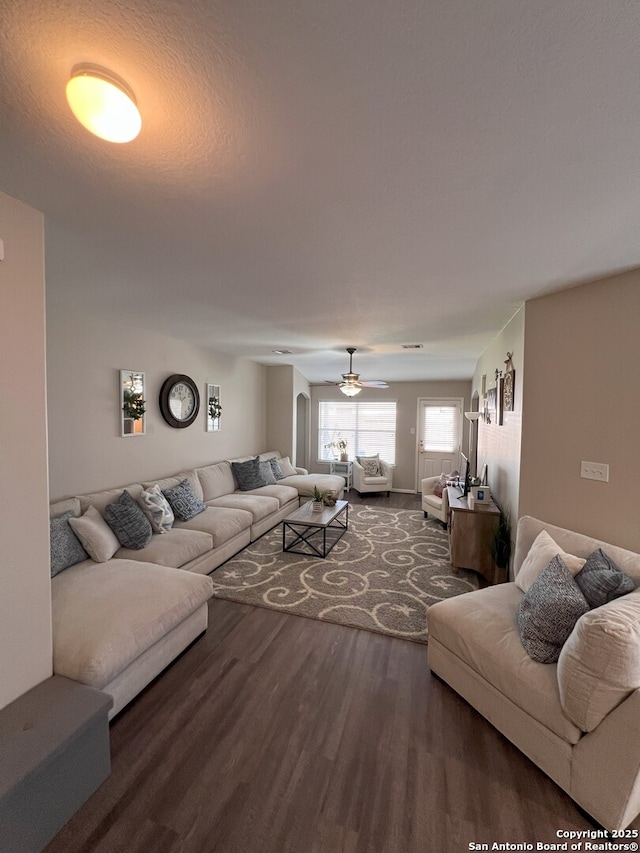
x=441 y=428
x=367 y=427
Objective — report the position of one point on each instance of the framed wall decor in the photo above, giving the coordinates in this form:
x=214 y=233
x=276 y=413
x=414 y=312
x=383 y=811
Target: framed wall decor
x=499 y=401
x=509 y=383
x=490 y=411
x=133 y=404
x=213 y=409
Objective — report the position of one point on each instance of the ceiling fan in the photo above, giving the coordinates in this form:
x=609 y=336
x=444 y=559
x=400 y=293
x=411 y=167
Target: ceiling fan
x=351 y=383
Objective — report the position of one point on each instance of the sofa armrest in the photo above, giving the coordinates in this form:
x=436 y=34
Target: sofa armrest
x=357 y=472
x=301 y=470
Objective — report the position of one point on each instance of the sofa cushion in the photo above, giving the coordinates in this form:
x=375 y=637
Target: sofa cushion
x=600 y=580
x=99 y=500
x=599 y=665
x=66 y=548
x=184 y=503
x=175 y=548
x=548 y=612
x=480 y=628
x=542 y=551
x=275 y=467
x=283 y=494
x=248 y=474
x=305 y=483
x=127 y=520
x=220 y=522
x=98 y=539
x=157 y=509
x=61 y=507
x=104 y=617
x=286 y=467
x=216 y=480
x=266 y=472
x=259 y=505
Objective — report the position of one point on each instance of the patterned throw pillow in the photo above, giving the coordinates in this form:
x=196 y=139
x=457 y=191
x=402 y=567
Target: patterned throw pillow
x=156 y=507
x=440 y=486
x=549 y=611
x=183 y=501
x=128 y=522
x=277 y=470
x=66 y=548
x=371 y=465
x=248 y=474
x=266 y=472
x=600 y=580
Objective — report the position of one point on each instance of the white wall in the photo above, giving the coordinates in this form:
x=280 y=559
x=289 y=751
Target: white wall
x=406 y=395
x=86 y=449
x=582 y=402
x=500 y=446
x=25 y=586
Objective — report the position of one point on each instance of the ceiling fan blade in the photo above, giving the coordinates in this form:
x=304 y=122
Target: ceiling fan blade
x=374 y=383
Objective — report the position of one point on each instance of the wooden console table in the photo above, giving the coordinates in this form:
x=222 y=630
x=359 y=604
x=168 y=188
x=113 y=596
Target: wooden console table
x=470 y=534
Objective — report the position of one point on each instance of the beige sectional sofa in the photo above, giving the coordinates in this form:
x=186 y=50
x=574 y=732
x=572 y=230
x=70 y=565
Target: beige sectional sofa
x=117 y=624
x=577 y=719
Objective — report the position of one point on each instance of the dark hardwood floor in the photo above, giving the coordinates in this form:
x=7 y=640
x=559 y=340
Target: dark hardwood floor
x=275 y=734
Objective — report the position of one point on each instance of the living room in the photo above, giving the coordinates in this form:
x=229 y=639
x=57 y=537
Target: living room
x=573 y=336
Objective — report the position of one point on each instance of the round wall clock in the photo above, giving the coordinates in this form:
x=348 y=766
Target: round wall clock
x=179 y=401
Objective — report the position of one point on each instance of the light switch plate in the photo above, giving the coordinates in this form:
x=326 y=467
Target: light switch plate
x=594 y=471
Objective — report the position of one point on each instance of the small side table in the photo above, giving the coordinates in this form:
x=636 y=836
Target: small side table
x=344 y=469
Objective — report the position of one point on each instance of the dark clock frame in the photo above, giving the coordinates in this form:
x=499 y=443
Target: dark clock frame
x=165 y=393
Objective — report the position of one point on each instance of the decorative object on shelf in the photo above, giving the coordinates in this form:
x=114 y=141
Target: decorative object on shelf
x=339 y=445
x=321 y=499
x=179 y=401
x=133 y=405
x=214 y=409
x=509 y=383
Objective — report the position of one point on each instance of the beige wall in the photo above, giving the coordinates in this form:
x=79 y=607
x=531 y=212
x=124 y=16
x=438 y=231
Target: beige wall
x=582 y=402
x=284 y=383
x=86 y=449
x=25 y=586
x=406 y=394
x=500 y=446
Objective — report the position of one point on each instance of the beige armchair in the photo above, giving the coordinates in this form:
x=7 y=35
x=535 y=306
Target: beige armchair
x=432 y=504
x=363 y=482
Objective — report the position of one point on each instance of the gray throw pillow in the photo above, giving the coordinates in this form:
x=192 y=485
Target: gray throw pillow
x=549 y=611
x=600 y=580
x=277 y=470
x=248 y=474
x=266 y=471
x=183 y=501
x=66 y=548
x=127 y=520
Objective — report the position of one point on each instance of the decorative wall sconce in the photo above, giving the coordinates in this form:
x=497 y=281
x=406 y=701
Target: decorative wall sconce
x=214 y=409
x=132 y=402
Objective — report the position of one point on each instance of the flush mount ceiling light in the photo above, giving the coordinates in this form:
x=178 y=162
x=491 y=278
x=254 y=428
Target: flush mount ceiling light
x=103 y=103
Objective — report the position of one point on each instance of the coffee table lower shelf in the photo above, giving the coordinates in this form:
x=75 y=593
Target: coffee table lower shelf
x=308 y=529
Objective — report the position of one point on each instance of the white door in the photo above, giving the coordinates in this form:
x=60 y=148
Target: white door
x=439 y=436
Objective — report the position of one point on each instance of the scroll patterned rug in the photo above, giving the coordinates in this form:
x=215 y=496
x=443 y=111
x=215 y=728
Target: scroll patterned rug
x=383 y=575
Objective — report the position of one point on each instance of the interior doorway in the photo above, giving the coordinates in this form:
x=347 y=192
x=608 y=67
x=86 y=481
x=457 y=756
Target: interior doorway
x=302 y=431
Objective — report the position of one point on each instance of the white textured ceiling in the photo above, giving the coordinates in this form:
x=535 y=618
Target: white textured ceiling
x=314 y=174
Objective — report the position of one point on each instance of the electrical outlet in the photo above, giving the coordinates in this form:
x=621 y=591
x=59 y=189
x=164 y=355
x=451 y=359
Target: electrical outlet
x=594 y=471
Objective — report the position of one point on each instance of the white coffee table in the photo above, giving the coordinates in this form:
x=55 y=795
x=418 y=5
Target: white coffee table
x=307 y=529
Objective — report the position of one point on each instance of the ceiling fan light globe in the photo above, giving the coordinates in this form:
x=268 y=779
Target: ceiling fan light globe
x=350 y=390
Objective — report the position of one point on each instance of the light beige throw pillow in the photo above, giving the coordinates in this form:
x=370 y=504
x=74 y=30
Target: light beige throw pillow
x=543 y=550
x=286 y=467
x=98 y=539
x=599 y=665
